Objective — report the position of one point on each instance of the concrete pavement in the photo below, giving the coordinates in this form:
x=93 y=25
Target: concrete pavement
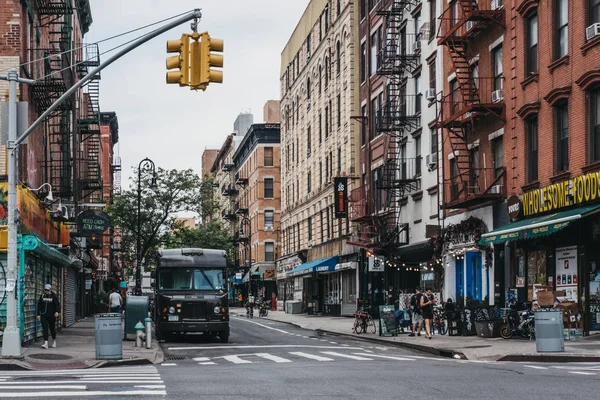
x=76 y=348
x=585 y=349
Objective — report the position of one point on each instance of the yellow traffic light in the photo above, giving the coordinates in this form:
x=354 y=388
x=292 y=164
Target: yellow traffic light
x=181 y=61
x=207 y=60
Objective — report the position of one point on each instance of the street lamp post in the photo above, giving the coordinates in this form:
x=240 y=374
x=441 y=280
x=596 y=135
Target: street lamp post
x=146 y=165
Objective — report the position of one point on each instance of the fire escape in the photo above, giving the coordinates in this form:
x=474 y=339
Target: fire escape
x=379 y=225
x=88 y=127
x=472 y=99
x=54 y=74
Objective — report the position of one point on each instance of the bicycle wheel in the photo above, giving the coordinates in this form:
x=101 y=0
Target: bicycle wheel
x=442 y=327
x=357 y=326
x=505 y=332
x=371 y=324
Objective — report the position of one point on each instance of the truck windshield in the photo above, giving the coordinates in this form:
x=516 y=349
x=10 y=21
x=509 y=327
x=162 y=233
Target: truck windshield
x=190 y=278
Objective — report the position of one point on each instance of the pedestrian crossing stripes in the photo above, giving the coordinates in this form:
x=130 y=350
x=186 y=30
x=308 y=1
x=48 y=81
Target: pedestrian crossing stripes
x=106 y=382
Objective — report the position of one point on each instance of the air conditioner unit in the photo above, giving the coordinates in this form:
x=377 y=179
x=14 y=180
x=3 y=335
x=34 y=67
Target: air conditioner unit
x=430 y=94
x=592 y=31
x=269 y=228
x=497 y=4
x=496 y=189
x=497 y=96
x=431 y=161
x=310 y=243
x=416 y=46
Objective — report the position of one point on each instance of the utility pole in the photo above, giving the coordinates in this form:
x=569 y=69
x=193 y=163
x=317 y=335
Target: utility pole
x=11 y=341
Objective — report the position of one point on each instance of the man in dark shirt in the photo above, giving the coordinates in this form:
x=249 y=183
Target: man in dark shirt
x=48 y=309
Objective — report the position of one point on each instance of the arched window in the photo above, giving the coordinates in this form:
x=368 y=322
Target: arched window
x=326 y=72
x=339 y=57
x=320 y=78
x=308 y=88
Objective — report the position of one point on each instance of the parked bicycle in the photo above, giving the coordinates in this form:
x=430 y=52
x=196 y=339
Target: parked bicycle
x=518 y=320
x=440 y=322
x=363 y=321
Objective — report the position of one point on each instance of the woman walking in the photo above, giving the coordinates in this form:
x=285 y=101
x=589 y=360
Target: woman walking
x=427 y=302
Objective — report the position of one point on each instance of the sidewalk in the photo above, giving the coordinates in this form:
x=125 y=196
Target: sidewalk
x=466 y=347
x=76 y=348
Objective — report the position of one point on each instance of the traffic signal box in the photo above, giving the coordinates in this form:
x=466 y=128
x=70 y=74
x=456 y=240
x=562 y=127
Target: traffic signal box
x=196 y=60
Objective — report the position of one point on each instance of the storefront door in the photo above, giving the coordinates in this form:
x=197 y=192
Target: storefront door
x=474 y=275
x=460 y=278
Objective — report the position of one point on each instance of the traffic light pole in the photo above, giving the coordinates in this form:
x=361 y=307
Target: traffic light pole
x=11 y=341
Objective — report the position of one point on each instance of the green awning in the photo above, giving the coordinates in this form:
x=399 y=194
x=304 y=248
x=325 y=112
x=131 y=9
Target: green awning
x=536 y=227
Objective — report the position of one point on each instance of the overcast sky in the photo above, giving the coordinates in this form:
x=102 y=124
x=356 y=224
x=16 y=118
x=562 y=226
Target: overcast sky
x=173 y=125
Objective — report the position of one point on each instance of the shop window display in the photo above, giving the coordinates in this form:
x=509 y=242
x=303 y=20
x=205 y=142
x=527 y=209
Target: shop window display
x=536 y=271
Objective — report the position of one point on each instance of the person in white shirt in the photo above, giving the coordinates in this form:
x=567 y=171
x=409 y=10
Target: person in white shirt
x=115 y=301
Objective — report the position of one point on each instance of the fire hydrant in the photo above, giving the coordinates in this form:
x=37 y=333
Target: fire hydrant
x=140 y=336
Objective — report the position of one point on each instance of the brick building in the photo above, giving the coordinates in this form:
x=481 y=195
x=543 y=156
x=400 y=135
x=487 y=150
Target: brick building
x=208 y=159
x=552 y=136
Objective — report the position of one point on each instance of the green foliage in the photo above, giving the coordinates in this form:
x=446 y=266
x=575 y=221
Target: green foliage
x=100 y=302
x=178 y=191
x=211 y=235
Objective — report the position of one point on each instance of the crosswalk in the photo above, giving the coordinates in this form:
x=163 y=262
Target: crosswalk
x=299 y=356
x=586 y=369
x=140 y=381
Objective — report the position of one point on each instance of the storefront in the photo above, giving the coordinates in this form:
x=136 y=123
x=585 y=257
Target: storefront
x=554 y=244
x=313 y=278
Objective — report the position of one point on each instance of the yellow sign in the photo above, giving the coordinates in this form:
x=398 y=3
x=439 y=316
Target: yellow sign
x=579 y=190
x=34 y=218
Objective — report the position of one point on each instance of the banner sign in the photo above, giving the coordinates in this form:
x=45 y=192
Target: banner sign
x=340 y=187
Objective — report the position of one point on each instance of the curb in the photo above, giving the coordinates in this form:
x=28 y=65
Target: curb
x=15 y=367
x=424 y=349
x=549 y=358
x=120 y=363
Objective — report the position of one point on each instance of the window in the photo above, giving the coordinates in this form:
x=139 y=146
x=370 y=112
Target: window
x=331 y=163
x=363 y=8
x=497 y=61
x=309 y=228
x=339 y=57
x=268 y=194
x=373 y=63
x=377 y=191
x=594 y=108
x=475 y=73
x=453 y=96
x=308 y=88
x=432 y=20
x=269 y=219
x=453 y=178
x=532 y=148
x=339 y=165
x=320 y=27
x=320 y=173
x=418 y=156
x=497 y=147
x=268 y=156
x=326 y=122
x=474 y=159
x=269 y=251
x=562 y=137
x=403 y=166
x=308 y=183
x=594 y=10
x=322 y=222
x=320 y=78
x=418 y=94
x=403 y=41
x=418 y=22
x=454 y=15
x=320 y=128
x=363 y=62
x=339 y=111
x=327 y=71
x=308 y=47
x=328 y=229
x=434 y=142
x=363 y=126
x=432 y=77
x=308 y=141
x=562 y=28
x=532 y=44
x=374 y=118
x=339 y=7
x=327 y=18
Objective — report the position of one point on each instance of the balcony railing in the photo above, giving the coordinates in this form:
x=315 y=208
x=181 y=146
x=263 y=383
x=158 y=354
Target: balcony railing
x=400 y=114
x=241 y=208
x=469 y=24
x=239 y=180
x=484 y=184
x=228 y=215
x=475 y=96
x=228 y=167
x=358 y=204
x=399 y=55
x=227 y=190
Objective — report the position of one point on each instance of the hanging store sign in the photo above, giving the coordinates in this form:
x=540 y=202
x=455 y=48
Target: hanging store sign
x=376 y=264
x=93 y=222
x=513 y=204
x=340 y=187
x=579 y=190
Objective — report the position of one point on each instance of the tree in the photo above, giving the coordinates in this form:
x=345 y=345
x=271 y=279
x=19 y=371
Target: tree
x=211 y=235
x=178 y=191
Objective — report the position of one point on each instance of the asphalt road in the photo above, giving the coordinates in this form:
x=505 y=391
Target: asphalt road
x=271 y=360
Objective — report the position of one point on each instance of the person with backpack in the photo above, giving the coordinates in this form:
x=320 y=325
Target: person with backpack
x=417 y=313
x=48 y=309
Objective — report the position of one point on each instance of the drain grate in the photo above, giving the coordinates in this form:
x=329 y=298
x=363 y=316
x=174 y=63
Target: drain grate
x=50 y=356
x=176 y=358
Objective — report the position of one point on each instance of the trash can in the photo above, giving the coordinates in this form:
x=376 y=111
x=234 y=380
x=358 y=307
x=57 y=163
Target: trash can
x=109 y=345
x=549 y=331
x=136 y=311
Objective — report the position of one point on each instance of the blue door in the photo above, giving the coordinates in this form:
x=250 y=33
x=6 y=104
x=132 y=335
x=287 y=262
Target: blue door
x=474 y=277
x=460 y=278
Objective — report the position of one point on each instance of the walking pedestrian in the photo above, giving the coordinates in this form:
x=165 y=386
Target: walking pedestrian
x=48 y=308
x=115 y=301
x=417 y=315
x=427 y=302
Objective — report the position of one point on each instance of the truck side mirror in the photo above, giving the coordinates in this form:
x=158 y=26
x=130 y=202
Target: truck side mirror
x=153 y=274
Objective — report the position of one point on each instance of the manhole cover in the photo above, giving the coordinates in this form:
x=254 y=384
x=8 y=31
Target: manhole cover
x=50 y=356
x=175 y=358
